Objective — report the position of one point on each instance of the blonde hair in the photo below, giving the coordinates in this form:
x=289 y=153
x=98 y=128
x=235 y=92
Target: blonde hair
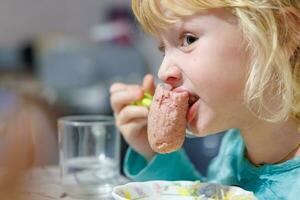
x=272 y=31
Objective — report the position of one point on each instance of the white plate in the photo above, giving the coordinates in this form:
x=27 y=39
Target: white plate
x=179 y=190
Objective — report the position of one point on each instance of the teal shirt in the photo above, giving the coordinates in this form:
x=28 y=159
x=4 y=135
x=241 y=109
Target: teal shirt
x=229 y=167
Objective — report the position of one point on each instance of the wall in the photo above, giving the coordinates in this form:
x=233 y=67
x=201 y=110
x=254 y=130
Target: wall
x=20 y=19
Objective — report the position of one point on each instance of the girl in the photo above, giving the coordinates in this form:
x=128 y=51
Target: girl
x=241 y=60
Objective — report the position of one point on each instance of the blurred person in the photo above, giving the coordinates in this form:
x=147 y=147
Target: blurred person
x=19 y=152
x=22 y=93
x=27 y=131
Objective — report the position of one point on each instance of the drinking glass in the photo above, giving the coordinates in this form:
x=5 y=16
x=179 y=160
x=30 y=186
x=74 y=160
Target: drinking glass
x=89 y=155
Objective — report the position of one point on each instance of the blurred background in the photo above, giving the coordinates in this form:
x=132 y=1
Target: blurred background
x=59 y=57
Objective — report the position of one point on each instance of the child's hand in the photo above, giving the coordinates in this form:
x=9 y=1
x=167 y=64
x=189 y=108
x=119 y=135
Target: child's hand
x=131 y=113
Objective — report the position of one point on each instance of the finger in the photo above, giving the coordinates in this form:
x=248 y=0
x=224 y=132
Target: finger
x=135 y=128
x=148 y=84
x=130 y=113
x=117 y=87
x=121 y=99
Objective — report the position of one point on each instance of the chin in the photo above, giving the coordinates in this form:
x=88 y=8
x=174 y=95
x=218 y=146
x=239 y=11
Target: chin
x=198 y=132
x=202 y=131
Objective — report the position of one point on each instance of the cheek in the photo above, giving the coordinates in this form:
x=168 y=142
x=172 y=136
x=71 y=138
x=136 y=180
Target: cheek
x=217 y=70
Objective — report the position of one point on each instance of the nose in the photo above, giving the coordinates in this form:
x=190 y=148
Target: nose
x=169 y=73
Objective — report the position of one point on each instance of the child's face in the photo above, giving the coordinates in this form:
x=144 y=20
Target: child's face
x=206 y=55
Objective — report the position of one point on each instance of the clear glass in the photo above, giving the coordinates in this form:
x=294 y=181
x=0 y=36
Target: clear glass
x=89 y=155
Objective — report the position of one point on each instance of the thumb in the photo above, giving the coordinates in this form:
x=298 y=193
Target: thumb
x=148 y=84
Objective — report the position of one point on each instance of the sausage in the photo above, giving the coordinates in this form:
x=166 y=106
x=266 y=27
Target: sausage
x=167 y=120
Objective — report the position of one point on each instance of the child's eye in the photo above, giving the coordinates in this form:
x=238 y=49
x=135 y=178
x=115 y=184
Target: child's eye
x=188 y=39
x=161 y=48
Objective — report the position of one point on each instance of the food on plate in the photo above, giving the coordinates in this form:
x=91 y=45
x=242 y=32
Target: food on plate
x=179 y=190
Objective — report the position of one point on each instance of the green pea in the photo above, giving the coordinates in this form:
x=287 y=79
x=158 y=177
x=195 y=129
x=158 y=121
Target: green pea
x=148 y=95
x=145 y=101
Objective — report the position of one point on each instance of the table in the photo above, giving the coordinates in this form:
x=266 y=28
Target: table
x=43 y=183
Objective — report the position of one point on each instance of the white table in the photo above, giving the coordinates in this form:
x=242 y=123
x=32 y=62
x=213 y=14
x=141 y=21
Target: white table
x=43 y=184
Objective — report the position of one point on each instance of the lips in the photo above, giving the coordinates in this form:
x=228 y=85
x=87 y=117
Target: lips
x=192 y=111
x=193 y=104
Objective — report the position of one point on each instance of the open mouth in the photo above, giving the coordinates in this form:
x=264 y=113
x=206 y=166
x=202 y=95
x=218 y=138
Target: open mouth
x=193 y=99
x=193 y=107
